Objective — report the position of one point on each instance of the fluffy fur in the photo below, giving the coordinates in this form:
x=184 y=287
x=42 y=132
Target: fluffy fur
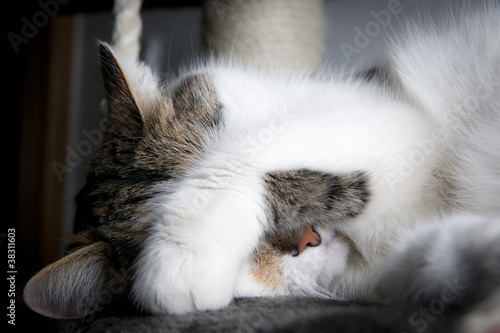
x=203 y=190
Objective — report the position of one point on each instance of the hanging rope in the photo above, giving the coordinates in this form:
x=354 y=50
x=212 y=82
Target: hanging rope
x=127 y=28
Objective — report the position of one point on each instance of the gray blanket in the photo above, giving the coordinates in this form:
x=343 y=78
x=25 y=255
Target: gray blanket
x=279 y=315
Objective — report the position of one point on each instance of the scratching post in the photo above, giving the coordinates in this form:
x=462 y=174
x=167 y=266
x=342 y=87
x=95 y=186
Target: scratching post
x=281 y=36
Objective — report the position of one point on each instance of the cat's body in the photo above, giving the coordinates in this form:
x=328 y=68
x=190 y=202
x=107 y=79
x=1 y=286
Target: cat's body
x=234 y=183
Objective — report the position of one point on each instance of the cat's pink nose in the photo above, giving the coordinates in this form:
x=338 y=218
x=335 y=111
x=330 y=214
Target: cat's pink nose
x=309 y=238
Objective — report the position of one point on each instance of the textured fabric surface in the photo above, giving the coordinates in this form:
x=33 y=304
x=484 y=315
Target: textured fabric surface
x=280 y=315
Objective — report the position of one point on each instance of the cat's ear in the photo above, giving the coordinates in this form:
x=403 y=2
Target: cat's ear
x=76 y=285
x=132 y=91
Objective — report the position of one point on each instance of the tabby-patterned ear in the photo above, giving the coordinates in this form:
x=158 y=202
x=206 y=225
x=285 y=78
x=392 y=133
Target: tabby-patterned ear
x=124 y=115
x=76 y=285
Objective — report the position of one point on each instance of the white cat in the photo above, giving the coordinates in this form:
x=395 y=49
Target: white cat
x=426 y=148
x=232 y=183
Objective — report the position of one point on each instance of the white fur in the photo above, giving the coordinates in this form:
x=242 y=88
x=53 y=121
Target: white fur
x=210 y=222
x=269 y=125
x=202 y=234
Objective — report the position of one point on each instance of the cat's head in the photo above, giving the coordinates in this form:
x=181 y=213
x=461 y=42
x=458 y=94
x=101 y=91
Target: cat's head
x=222 y=180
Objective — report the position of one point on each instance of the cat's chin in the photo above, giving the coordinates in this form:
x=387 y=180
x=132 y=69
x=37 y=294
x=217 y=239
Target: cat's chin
x=309 y=273
x=336 y=253
x=315 y=268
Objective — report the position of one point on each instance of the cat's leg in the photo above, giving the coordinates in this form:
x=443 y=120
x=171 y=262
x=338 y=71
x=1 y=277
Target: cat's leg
x=455 y=264
x=203 y=233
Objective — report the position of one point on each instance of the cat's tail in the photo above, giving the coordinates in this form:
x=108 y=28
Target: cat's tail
x=451 y=70
x=455 y=265
x=451 y=67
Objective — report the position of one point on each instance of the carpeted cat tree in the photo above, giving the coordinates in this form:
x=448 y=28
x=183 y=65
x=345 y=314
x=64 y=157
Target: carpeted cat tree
x=280 y=36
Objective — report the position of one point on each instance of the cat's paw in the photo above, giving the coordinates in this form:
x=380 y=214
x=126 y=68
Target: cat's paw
x=178 y=274
x=455 y=262
x=193 y=254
